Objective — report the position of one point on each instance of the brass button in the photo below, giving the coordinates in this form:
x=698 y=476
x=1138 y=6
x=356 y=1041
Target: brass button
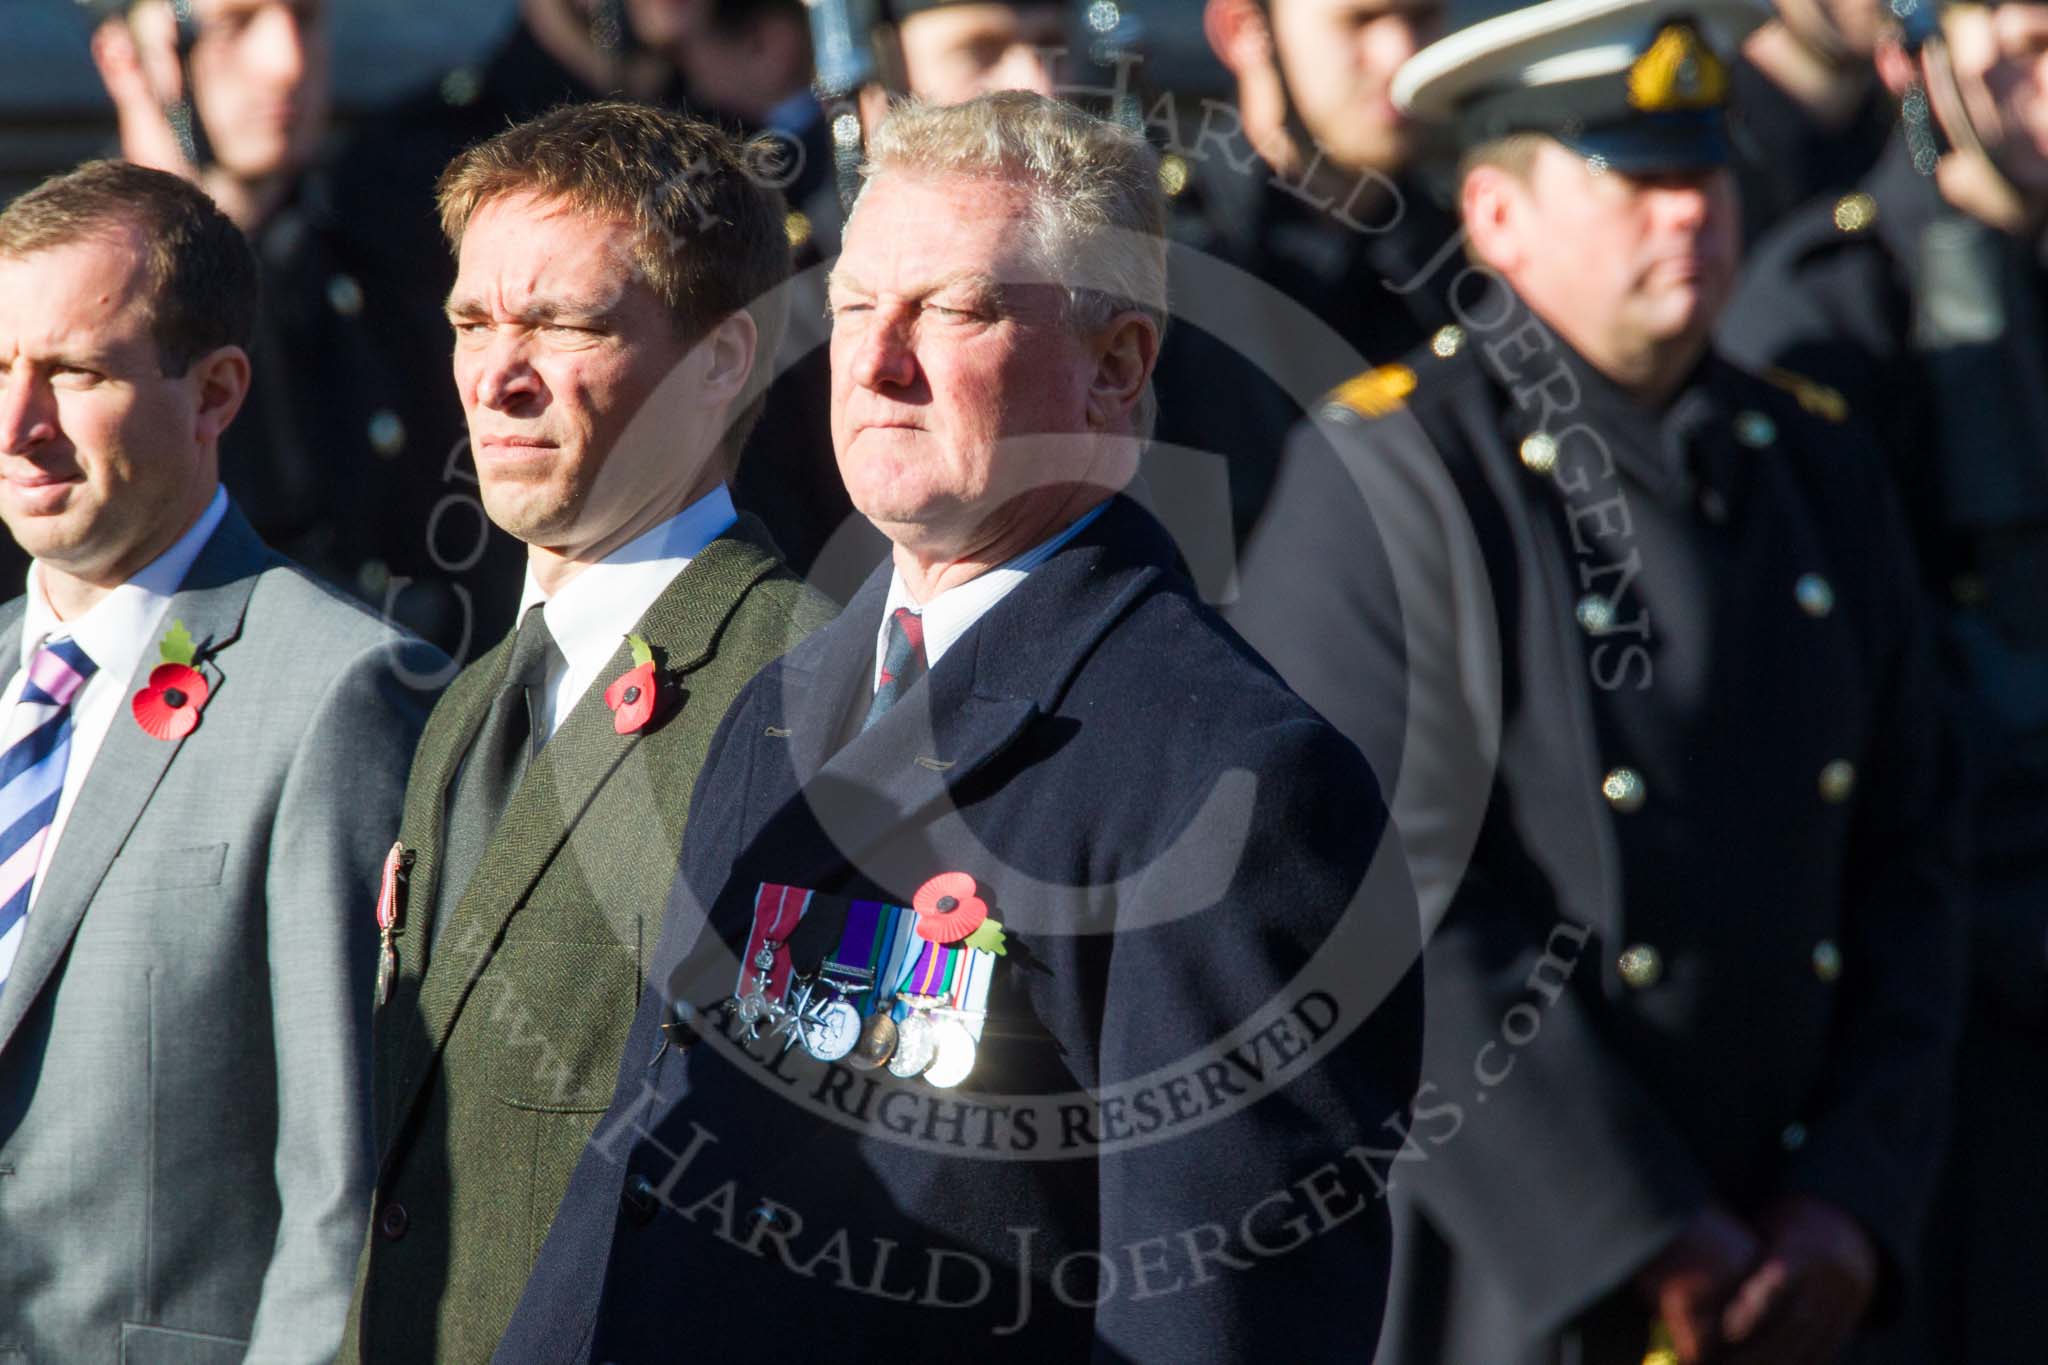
x=1623 y=789
x=1794 y=1137
x=1641 y=966
x=1755 y=430
x=1173 y=174
x=1595 y=613
x=1837 y=781
x=1815 y=595
x=387 y=433
x=1855 y=212
x=1539 y=453
x=797 y=227
x=1827 y=960
x=1448 y=341
x=344 y=295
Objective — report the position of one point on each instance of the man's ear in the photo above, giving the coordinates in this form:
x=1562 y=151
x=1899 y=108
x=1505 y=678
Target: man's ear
x=726 y=353
x=1237 y=34
x=1487 y=202
x=1125 y=353
x=222 y=377
x=1897 y=68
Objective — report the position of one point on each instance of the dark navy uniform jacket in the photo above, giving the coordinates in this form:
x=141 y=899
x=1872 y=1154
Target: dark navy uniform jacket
x=1653 y=693
x=1172 y=840
x=1937 y=325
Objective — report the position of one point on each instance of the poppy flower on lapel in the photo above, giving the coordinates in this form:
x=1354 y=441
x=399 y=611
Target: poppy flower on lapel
x=168 y=706
x=635 y=694
x=949 y=911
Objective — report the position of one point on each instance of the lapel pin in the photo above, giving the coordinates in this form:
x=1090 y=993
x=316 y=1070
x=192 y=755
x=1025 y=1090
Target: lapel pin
x=168 y=706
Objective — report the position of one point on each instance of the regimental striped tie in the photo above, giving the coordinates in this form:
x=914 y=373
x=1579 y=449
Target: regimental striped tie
x=32 y=780
x=902 y=662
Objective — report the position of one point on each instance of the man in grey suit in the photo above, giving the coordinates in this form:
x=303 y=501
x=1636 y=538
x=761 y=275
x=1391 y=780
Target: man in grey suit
x=202 y=756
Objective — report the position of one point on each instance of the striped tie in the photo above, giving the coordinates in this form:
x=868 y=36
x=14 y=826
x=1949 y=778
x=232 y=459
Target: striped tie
x=32 y=779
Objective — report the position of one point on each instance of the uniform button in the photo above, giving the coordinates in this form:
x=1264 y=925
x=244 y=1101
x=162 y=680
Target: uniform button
x=1755 y=430
x=797 y=227
x=640 y=1200
x=1793 y=1138
x=393 y=1221
x=1539 y=452
x=344 y=295
x=1641 y=966
x=1815 y=595
x=1837 y=781
x=1595 y=613
x=461 y=86
x=1827 y=960
x=387 y=433
x=1968 y=590
x=1624 y=790
x=1448 y=341
x=1855 y=212
x=1713 y=506
x=1173 y=174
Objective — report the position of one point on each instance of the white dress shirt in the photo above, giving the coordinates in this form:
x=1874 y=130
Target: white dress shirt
x=593 y=612
x=950 y=614
x=119 y=631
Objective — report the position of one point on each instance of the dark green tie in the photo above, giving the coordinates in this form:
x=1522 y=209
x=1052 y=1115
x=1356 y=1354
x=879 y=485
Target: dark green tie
x=505 y=743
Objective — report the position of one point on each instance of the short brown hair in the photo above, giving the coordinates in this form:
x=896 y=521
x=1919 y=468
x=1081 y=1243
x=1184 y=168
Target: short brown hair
x=1514 y=153
x=202 y=274
x=712 y=237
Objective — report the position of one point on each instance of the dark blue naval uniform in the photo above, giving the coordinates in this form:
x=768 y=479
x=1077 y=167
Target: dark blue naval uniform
x=1654 y=695
x=1937 y=326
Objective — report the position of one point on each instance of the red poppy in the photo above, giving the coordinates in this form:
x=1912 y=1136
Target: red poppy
x=947 y=908
x=168 y=708
x=632 y=698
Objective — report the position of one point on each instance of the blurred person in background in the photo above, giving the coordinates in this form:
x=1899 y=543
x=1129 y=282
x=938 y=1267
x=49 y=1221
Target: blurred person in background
x=350 y=457
x=1811 y=116
x=1315 y=195
x=1632 y=635
x=1922 y=295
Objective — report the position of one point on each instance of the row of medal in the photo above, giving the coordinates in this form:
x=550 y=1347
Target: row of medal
x=884 y=996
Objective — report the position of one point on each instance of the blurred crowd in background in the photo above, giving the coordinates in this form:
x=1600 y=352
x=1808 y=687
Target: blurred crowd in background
x=1899 y=281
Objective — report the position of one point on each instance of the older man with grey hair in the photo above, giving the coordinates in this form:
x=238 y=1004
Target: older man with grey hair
x=1030 y=987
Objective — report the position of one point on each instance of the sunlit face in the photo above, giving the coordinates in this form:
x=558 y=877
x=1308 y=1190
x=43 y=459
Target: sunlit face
x=1845 y=30
x=955 y=52
x=1622 y=264
x=957 y=386
x=260 y=80
x=2000 y=56
x=1339 y=58
x=570 y=372
x=103 y=458
x=664 y=23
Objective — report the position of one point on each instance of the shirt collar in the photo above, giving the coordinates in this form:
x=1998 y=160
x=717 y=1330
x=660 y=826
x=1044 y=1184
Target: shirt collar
x=118 y=629
x=593 y=611
x=953 y=612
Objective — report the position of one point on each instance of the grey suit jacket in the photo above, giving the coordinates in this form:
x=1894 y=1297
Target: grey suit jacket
x=184 y=1036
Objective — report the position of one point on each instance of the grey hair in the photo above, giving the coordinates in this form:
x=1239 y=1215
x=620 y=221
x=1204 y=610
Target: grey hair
x=1098 y=216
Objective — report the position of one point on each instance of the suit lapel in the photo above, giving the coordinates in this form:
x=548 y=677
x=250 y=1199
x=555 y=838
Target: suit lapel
x=130 y=764
x=1010 y=668
x=683 y=626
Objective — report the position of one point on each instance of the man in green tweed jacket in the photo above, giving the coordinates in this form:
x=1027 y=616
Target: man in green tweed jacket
x=617 y=285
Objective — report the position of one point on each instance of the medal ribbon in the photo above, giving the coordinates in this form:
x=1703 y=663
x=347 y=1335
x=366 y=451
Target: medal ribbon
x=865 y=939
x=387 y=890
x=777 y=911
